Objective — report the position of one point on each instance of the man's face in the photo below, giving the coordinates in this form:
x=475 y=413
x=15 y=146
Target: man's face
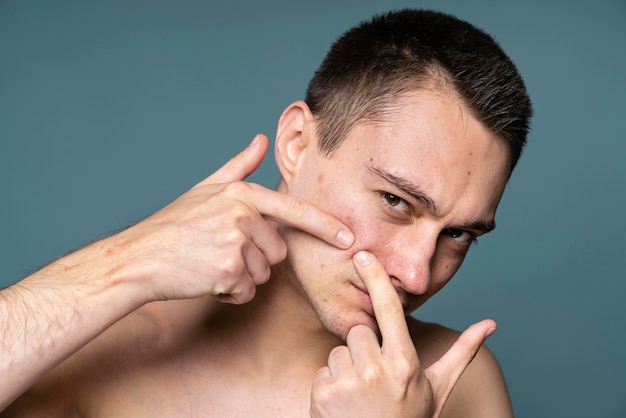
x=416 y=189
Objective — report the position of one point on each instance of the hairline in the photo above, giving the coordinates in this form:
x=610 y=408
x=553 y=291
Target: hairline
x=434 y=79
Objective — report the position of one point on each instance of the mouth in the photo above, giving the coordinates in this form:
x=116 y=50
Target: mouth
x=366 y=301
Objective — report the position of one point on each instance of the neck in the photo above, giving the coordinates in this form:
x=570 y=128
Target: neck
x=277 y=327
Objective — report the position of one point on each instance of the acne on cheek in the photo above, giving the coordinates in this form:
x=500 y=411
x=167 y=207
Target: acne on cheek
x=349 y=210
x=351 y=222
x=365 y=235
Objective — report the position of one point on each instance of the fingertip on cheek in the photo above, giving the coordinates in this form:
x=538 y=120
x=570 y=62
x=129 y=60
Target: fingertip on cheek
x=362 y=258
x=345 y=238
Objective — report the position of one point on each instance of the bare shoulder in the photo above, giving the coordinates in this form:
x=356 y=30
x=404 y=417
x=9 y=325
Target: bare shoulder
x=431 y=340
x=481 y=391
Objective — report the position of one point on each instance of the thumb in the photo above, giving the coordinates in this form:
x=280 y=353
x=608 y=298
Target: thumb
x=243 y=164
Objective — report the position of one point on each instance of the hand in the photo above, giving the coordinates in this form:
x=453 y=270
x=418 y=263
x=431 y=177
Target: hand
x=365 y=379
x=217 y=238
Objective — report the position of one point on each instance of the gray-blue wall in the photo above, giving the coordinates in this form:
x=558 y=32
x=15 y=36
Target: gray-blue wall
x=111 y=109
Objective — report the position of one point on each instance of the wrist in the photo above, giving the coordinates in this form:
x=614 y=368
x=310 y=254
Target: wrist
x=122 y=271
x=100 y=272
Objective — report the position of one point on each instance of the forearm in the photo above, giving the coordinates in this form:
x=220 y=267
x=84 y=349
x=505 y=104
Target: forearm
x=51 y=314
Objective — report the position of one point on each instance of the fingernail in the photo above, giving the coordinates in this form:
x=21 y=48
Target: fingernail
x=363 y=258
x=489 y=332
x=345 y=238
x=255 y=141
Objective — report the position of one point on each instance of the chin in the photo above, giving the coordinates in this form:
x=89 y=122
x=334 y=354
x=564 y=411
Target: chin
x=340 y=325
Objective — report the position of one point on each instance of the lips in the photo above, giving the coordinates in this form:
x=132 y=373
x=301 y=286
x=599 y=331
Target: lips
x=366 y=301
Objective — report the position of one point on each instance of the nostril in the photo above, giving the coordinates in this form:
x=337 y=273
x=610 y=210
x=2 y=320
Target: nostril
x=396 y=282
x=410 y=286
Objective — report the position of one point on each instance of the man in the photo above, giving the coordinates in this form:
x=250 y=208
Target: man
x=235 y=300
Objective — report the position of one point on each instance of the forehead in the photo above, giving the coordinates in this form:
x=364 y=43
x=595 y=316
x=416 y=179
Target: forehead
x=429 y=137
x=428 y=118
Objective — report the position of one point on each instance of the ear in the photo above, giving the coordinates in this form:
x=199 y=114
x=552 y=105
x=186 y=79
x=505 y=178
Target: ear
x=293 y=137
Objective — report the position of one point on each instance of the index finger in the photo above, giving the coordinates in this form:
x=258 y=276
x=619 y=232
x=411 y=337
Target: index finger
x=241 y=165
x=387 y=306
x=298 y=213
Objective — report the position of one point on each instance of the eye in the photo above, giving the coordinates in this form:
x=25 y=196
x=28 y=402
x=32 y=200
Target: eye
x=460 y=235
x=392 y=199
x=395 y=205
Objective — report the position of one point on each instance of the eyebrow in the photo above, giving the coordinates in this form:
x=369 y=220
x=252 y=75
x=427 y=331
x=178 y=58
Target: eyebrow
x=407 y=187
x=423 y=199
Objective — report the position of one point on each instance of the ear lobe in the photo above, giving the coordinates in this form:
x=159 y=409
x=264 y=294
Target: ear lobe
x=293 y=136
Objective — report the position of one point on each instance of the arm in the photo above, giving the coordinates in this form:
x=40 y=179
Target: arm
x=51 y=314
x=213 y=240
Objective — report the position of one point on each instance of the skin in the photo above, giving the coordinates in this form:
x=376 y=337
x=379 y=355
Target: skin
x=364 y=190
x=418 y=225
x=217 y=242
x=329 y=266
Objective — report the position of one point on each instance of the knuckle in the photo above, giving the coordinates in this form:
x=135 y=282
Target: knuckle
x=405 y=369
x=329 y=224
x=372 y=373
x=296 y=207
x=278 y=253
x=391 y=309
x=222 y=287
x=237 y=188
x=264 y=276
x=231 y=266
x=239 y=213
x=321 y=394
x=235 y=237
x=244 y=294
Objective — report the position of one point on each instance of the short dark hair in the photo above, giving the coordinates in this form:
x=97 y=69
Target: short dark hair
x=405 y=50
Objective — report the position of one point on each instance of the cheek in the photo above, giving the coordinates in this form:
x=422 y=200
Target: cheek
x=344 y=201
x=371 y=233
x=443 y=269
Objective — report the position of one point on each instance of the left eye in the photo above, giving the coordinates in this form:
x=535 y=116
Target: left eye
x=459 y=235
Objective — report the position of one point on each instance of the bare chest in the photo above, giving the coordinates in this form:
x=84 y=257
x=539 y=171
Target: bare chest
x=233 y=403
x=203 y=393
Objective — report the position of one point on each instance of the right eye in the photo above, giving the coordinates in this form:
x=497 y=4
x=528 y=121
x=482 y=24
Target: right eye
x=392 y=199
x=395 y=205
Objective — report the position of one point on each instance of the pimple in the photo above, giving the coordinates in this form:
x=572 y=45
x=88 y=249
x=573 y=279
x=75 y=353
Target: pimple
x=320 y=178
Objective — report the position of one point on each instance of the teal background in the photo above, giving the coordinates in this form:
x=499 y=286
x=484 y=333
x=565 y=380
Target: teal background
x=111 y=109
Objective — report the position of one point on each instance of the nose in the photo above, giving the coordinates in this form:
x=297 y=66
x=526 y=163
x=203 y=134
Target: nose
x=410 y=261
